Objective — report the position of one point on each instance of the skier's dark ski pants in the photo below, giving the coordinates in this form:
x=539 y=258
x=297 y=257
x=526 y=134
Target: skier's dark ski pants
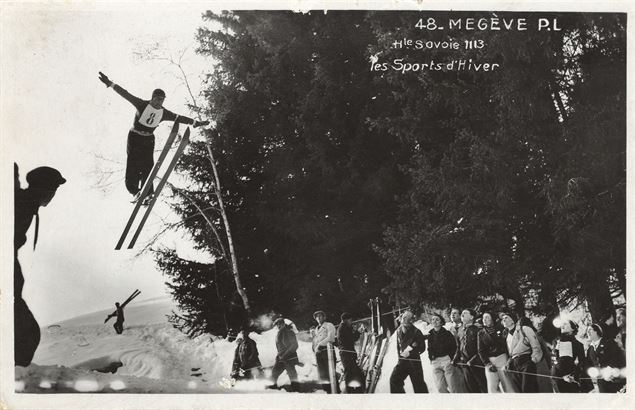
x=322 y=360
x=352 y=372
x=140 y=149
x=26 y=328
x=522 y=366
x=475 y=380
x=404 y=369
x=282 y=365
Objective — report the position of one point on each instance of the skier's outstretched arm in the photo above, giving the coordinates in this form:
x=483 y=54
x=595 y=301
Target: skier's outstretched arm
x=182 y=119
x=134 y=100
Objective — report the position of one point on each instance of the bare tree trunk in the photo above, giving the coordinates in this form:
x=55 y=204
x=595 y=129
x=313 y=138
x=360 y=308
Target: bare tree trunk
x=217 y=188
x=230 y=241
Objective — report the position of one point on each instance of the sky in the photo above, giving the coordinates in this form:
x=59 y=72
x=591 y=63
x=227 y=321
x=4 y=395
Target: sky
x=56 y=112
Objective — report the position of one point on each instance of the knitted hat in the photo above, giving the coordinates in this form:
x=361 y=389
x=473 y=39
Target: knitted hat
x=158 y=93
x=44 y=177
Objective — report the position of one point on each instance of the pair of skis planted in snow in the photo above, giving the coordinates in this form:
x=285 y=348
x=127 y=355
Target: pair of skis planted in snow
x=374 y=348
x=148 y=184
x=123 y=305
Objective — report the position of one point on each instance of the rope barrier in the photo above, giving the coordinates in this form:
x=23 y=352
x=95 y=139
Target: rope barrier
x=506 y=370
x=457 y=364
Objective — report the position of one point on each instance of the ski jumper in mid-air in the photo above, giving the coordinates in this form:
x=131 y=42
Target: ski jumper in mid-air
x=140 y=146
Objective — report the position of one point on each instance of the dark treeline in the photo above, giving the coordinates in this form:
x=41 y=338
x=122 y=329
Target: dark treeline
x=436 y=187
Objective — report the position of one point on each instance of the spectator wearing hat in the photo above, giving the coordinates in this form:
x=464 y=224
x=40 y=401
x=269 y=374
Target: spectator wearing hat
x=287 y=357
x=605 y=355
x=322 y=335
x=246 y=363
x=140 y=147
x=346 y=337
x=43 y=183
x=466 y=355
x=524 y=351
x=569 y=359
x=441 y=349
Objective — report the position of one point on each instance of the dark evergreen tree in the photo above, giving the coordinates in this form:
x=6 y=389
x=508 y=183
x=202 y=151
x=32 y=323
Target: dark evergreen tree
x=307 y=183
x=442 y=187
x=485 y=214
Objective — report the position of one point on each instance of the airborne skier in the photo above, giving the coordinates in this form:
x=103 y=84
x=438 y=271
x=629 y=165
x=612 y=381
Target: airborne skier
x=140 y=146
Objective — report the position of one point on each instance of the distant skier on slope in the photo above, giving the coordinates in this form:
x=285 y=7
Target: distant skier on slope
x=120 y=318
x=140 y=145
x=43 y=184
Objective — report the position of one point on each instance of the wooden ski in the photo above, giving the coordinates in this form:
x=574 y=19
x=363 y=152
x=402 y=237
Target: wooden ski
x=378 y=364
x=332 y=374
x=374 y=354
x=148 y=183
x=362 y=351
x=123 y=305
x=157 y=192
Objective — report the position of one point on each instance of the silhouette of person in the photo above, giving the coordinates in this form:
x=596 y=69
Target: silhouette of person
x=43 y=183
x=120 y=318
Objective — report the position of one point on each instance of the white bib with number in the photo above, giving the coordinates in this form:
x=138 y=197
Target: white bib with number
x=151 y=117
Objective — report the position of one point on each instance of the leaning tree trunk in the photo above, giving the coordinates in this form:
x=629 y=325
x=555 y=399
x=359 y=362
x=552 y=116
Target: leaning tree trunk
x=230 y=241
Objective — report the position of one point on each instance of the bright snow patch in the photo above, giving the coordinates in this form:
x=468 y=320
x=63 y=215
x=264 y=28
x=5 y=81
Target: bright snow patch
x=85 y=355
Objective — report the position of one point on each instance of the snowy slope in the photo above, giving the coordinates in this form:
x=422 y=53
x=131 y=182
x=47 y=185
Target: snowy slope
x=150 y=356
x=85 y=355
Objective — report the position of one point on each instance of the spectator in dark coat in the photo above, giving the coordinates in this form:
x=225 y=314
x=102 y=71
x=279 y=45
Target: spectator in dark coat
x=287 y=357
x=606 y=356
x=466 y=355
x=410 y=346
x=246 y=361
x=441 y=349
x=346 y=337
x=492 y=350
x=569 y=359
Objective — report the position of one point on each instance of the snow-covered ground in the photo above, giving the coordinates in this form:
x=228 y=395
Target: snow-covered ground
x=78 y=355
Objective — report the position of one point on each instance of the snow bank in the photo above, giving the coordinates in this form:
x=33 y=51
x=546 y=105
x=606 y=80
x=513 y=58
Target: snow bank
x=85 y=355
